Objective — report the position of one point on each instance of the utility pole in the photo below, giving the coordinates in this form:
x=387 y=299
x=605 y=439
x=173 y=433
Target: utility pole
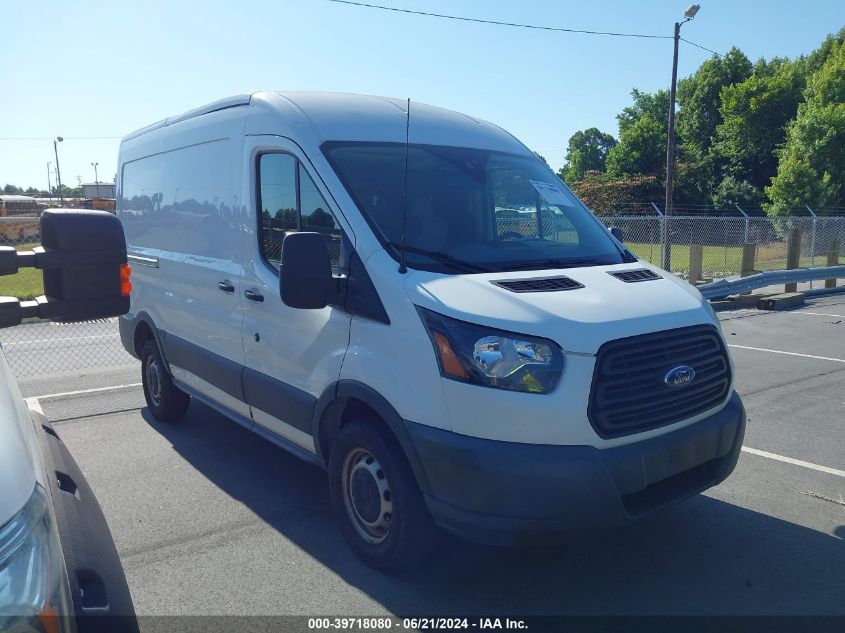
x=57 y=140
x=49 y=184
x=689 y=14
x=96 y=179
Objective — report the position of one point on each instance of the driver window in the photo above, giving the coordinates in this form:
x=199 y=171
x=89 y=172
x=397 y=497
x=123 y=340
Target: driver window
x=278 y=203
x=290 y=201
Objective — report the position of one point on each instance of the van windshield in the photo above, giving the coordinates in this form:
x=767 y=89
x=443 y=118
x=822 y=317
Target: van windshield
x=470 y=210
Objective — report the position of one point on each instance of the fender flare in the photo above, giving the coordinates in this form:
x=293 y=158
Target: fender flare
x=327 y=416
x=132 y=325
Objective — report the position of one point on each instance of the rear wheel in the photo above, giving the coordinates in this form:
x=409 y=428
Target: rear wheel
x=376 y=499
x=165 y=401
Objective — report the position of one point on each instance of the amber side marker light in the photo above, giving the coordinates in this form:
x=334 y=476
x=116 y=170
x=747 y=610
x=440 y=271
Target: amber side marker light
x=125 y=284
x=448 y=358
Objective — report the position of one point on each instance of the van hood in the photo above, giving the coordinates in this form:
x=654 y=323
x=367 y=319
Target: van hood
x=579 y=320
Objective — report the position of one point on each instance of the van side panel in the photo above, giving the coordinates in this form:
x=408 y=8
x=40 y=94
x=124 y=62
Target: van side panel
x=179 y=201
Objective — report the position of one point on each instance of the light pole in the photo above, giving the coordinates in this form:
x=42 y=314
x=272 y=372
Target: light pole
x=57 y=140
x=96 y=179
x=49 y=184
x=689 y=14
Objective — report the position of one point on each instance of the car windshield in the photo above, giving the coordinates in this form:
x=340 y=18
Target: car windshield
x=470 y=210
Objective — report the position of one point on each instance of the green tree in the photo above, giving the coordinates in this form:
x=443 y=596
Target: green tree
x=737 y=192
x=642 y=136
x=587 y=151
x=699 y=100
x=655 y=106
x=641 y=149
x=755 y=113
x=811 y=169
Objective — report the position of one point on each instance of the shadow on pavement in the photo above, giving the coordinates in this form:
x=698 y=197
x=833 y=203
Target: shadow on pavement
x=703 y=556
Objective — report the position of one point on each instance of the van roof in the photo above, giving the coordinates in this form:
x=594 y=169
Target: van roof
x=214 y=106
x=346 y=116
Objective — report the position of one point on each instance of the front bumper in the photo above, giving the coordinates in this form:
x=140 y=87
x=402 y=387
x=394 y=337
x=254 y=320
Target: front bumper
x=507 y=493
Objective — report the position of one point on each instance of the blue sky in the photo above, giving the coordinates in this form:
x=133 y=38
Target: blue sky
x=102 y=69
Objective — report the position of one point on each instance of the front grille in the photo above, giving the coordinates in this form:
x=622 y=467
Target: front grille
x=629 y=394
x=633 y=276
x=539 y=284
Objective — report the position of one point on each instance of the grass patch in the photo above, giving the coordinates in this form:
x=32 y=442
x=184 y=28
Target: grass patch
x=721 y=260
x=27 y=283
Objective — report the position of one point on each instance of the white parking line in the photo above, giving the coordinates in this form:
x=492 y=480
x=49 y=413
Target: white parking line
x=794 y=462
x=841 y=316
x=83 y=391
x=777 y=351
x=33 y=405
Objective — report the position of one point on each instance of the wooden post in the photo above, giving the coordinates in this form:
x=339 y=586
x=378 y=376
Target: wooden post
x=832 y=260
x=749 y=253
x=696 y=262
x=793 y=256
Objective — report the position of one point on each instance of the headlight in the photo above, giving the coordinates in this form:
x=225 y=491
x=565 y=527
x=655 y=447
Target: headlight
x=33 y=587
x=493 y=358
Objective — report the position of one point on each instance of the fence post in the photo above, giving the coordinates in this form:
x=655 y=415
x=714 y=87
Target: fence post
x=745 y=215
x=832 y=260
x=812 y=239
x=749 y=252
x=663 y=232
x=793 y=256
x=696 y=262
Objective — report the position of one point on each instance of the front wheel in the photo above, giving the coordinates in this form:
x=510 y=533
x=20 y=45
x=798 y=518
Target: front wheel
x=165 y=401
x=376 y=498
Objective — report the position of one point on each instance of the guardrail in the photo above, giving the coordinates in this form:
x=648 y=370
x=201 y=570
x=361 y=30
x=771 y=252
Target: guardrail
x=724 y=287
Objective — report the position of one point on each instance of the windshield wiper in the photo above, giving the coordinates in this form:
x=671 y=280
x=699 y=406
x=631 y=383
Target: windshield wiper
x=443 y=257
x=540 y=264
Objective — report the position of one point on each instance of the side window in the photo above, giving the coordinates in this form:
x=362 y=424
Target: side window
x=290 y=201
x=316 y=216
x=277 y=177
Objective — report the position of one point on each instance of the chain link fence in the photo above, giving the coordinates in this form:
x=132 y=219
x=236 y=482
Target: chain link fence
x=722 y=234
x=43 y=349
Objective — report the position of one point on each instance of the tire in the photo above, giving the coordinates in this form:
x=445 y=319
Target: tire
x=164 y=400
x=389 y=527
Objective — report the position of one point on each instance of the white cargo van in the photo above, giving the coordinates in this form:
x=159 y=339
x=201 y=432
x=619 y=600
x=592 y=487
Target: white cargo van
x=409 y=297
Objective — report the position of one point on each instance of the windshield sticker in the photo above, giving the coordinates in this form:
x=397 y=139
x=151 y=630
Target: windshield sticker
x=550 y=193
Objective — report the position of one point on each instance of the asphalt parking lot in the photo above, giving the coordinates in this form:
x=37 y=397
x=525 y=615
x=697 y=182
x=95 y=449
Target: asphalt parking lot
x=210 y=519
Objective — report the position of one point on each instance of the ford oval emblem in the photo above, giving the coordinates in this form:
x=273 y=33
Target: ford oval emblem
x=679 y=376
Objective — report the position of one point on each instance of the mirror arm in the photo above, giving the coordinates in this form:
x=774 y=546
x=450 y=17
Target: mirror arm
x=11 y=260
x=337 y=296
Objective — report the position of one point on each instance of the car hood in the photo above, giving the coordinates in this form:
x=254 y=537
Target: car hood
x=20 y=463
x=579 y=320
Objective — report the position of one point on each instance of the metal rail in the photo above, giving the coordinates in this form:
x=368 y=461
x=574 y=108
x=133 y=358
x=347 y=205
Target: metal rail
x=724 y=287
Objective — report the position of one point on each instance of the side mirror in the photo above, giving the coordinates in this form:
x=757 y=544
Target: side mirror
x=616 y=232
x=305 y=277
x=83 y=256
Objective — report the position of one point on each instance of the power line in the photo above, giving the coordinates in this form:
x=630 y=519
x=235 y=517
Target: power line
x=499 y=23
x=704 y=48
x=50 y=138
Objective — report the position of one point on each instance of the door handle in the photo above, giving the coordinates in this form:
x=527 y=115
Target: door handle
x=226 y=286
x=254 y=295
